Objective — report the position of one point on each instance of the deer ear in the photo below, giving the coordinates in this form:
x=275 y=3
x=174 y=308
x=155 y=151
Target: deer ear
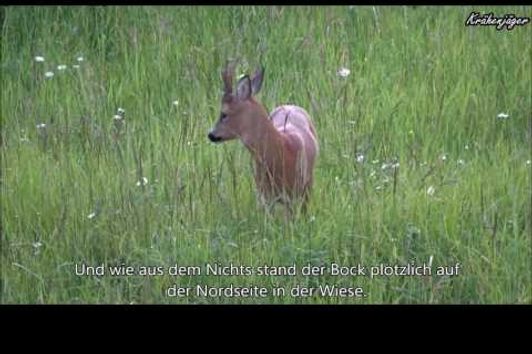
x=256 y=81
x=243 y=89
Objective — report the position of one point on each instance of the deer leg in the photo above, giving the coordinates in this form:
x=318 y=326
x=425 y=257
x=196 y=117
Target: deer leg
x=306 y=197
x=288 y=212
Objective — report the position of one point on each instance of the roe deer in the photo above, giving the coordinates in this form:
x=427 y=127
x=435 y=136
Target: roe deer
x=283 y=144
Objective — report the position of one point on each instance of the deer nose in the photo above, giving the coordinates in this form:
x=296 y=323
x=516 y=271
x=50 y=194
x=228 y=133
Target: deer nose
x=213 y=137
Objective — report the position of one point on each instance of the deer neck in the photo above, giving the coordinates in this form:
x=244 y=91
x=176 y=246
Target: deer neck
x=262 y=139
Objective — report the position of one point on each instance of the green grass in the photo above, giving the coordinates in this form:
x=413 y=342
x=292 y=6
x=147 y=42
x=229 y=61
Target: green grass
x=424 y=90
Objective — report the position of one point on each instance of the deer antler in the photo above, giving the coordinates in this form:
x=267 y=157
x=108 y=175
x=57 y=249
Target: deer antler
x=227 y=76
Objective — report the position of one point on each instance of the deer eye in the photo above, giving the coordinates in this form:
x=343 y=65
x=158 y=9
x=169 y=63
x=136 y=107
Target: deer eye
x=223 y=116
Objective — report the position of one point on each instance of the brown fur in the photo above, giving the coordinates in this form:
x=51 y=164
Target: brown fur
x=283 y=146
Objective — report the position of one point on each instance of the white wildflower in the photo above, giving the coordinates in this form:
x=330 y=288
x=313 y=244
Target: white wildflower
x=41 y=126
x=503 y=115
x=80 y=59
x=61 y=67
x=37 y=244
x=142 y=182
x=39 y=59
x=360 y=158
x=343 y=72
x=430 y=191
x=91 y=215
x=392 y=165
x=175 y=103
x=49 y=74
x=460 y=162
x=443 y=157
x=528 y=162
x=75 y=66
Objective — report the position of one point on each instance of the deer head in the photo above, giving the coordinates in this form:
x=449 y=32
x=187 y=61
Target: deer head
x=238 y=109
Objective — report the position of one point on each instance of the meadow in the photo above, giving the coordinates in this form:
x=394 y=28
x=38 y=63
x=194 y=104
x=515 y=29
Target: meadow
x=425 y=133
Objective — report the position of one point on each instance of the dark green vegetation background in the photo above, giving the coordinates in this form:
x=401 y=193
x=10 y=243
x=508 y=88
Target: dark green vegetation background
x=416 y=163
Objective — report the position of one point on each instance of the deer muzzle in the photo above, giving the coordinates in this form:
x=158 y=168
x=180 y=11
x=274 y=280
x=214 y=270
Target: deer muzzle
x=214 y=138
